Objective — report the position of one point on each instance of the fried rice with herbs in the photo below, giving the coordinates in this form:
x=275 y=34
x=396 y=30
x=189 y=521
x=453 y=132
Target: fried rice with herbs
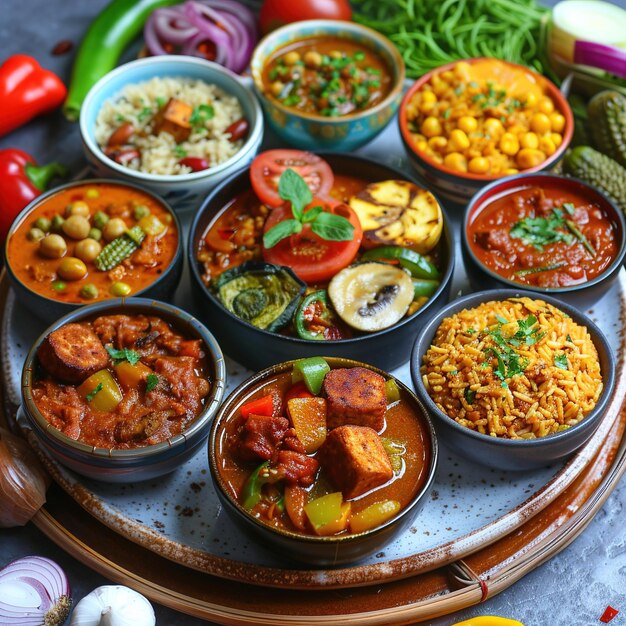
x=515 y=369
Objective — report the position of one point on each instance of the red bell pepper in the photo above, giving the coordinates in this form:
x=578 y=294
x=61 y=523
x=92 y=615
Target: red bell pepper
x=21 y=180
x=260 y=406
x=27 y=90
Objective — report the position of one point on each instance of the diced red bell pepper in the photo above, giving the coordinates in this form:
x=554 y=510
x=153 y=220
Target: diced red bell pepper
x=609 y=614
x=259 y=406
x=298 y=390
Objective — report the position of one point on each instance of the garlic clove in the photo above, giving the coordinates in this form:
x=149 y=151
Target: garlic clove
x=113 y=605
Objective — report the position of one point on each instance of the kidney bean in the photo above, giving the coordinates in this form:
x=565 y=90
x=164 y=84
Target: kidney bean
x=197 y=164
x=122 y=154
x=63 y=47
x=121 y=135
x=238 y=129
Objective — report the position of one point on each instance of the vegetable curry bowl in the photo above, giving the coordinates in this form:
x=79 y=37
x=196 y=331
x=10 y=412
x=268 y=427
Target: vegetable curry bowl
x=545 y=233
x=303 y=251
x=327 y=84
x=93 y=240
x=474 y=121
x=326 y=459
x=123 y=390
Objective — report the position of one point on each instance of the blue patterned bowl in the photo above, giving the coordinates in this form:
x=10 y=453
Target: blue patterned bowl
x=317 y=132
x=185 y=191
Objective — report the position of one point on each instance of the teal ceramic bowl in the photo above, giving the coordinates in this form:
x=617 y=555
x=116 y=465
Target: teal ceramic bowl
x=185 y=191
x=317 y=132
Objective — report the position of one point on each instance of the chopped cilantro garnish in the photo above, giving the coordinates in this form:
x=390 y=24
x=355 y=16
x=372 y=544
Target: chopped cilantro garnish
x=471 y=331
x=291 y=100
x=151 y=382
x=180 y=152
x=92 y=394
x=120 y=118
x=560 y=361
x=144 y=113
x=201 y=114
x=502 y=320
x=160 y=101
x=125 y=354
x=469 y=395
x=542 y=231
x=359 y=56
x=569 y=339
x=569 y=207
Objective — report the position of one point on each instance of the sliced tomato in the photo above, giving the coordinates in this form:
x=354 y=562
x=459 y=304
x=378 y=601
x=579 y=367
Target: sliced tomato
x=266 y=169
x=275 y=13
x=313 y=259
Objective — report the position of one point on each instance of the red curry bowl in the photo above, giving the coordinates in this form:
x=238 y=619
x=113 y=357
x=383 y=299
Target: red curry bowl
x=591 y=287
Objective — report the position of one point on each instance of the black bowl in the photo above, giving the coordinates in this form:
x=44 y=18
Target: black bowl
x=49 y=309
x=583 y=295
x=513 y=454
x=321 y=551
x=256 y=348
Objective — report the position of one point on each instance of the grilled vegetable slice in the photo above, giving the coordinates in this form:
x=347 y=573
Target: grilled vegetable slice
x=120 y=248
x=398 y=213
x=371 y=296
x=261 y=294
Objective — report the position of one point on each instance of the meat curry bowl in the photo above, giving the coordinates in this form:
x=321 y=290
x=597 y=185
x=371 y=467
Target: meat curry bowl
x=363 y=297
x=513 y=380
x=325 y=459
x=123 y=390
x=91 y=241
x=545 y=233
x=327 y=84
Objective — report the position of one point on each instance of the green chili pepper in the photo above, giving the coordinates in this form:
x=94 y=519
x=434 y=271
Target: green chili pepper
x=300 y=320
x=109 y=34
x=419 y=266
x=251 y=493
x=424 y=287
x=312 y=370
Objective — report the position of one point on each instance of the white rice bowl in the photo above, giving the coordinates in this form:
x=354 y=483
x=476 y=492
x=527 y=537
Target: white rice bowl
x=160 y=154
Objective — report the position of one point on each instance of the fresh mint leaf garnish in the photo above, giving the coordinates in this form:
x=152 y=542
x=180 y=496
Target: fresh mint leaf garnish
x=125 y=354
x=151 y=382
x=560 y=361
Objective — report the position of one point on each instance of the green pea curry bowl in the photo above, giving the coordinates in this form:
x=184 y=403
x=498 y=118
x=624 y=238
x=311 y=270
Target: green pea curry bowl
x=328 y=486
x=93 y=240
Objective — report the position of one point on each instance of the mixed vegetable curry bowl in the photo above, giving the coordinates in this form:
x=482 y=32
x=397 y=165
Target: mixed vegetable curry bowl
x=307 y=253
x=123 y=390
x=325 y=459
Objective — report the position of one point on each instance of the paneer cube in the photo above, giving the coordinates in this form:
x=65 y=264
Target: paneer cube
x=354 y=460
x=357 y=396
x=174 y=118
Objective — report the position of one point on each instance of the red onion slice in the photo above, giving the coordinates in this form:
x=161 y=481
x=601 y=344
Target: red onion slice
x=598 y=55
x=34 y=591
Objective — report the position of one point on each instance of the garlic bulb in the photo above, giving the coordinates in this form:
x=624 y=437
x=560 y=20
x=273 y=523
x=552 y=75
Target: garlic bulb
x=113 y=605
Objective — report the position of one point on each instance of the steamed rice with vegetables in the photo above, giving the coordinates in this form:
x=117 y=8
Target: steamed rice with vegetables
x=516 y=369
x=168 y=126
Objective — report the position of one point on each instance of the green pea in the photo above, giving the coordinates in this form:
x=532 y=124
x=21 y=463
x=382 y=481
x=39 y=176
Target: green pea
x=100 y=219
x=141 y=211
x=120 y=289
x=89 y=291
x=59 y=285
x=43 y=223
x=56 y=224
x=95 y=233
x=36 y=234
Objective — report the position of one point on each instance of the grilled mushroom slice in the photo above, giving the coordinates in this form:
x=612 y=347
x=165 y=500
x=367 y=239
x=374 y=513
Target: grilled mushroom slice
x=398 y=213
x=371 y=296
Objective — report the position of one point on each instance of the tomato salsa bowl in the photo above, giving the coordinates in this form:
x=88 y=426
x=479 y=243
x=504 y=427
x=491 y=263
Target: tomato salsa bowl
x=544 y=233
x=93 y=240
x=471 y=122
x=326 y=476
x=344 y=302
x=123 y=390
x=290 y=65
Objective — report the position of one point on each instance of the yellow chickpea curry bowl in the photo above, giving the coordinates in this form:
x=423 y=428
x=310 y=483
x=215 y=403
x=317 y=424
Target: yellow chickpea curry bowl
x=471 y=122
x=90 y=241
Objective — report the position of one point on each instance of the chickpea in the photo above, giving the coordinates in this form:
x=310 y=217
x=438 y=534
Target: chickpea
x=540 y=123
x=531 y=100
x=509 y=144
x=95 y=233
x=467 y=124
x=462 y=72
x=556 y=139
x=71 y=268
x=312 y=59
x=547 y=145
x=56 y=224
x=141 y=210
x=438 y=143
x=478 y=165
x=87 y=249
x=114 y=228
x=431 y=127
x=291 y=58
x=545 y=105
x=36 y=234
x=277 y=88
x=43 y=223
x=509 y=171
x=448 y=76
x=120 y=289
x=92 y=194
x=458 y=141
x=493 y=128
x=53 y=246
x=335 y=54
x=529 y=157
x=79 y=207
x=89 y=292
x=557 y=122
x=455 y=161
x=427 y=102
x=76 y=227
x=100 y=219
x=529 y=140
